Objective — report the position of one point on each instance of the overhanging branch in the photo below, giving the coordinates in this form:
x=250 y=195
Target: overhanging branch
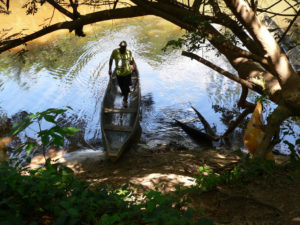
x=121 y=13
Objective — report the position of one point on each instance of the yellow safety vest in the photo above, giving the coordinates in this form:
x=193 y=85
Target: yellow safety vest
x=122 y=62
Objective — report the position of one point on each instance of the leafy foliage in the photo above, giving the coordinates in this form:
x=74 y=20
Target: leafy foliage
x=251 y=170
x=54 y=196
x=54 y=135
x=49 y=137
x=4 y=6
x=32 y=6
x=197 y=39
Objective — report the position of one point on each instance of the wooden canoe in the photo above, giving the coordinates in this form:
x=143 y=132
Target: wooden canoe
x=120 y=126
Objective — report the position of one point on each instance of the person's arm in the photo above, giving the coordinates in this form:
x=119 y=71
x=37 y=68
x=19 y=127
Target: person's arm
x=110 y=65
x=111 y=62
x=133 y=64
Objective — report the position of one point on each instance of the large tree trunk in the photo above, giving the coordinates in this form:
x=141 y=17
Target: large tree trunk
x=280 y=66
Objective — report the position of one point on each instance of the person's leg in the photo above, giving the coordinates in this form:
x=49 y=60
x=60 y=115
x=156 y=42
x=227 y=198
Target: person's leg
x=124 y=82
x=127 y=83
x=121 y=84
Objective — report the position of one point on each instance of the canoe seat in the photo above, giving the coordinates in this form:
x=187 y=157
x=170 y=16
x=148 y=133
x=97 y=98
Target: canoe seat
x=117 y=128
x=123 y=110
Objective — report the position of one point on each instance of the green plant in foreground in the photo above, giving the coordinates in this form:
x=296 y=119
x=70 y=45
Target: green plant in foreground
x=52 y=195
x=53 y=136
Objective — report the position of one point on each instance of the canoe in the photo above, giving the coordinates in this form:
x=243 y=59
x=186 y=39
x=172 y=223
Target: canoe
x=120 y=126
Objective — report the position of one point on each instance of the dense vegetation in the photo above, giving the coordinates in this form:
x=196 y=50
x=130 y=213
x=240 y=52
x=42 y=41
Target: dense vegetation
x=53 y=195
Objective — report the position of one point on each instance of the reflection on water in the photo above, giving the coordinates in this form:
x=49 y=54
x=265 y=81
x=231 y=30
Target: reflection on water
x=72 y=71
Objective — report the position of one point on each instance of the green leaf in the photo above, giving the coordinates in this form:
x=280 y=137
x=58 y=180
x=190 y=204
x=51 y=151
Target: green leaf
x=71 y=131
x=28 y=159
x=50 y=118
x=58 y=130
x=201 y=169
x=45 y=139
x=20 y=126
x=56 y=111
x=30 y=146
x=57 y=140
x=32 y=116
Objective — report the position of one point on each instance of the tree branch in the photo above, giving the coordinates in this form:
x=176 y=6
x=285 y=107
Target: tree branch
x=71 y=25
x=237 y=30
x=291 y=6
x=275 y=14
x=216 y=8
x=277 y=60
x=239 y=119
x=61 y=9
x=223 y=72
x=244 y=94
x=271 y=6
x=196 y=5
x=115 y=4
x=289 y=27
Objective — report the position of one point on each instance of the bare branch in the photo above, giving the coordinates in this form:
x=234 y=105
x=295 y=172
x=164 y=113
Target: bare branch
x=235 y=123
x=290 y=5
x=289 y=27
x=51 y=17
x=196 y=5
x=215 y=6
x=61 y=9
x=271 y=6
x=242 y=101
x=223 y=72
x=115 y=4
x=275 y=14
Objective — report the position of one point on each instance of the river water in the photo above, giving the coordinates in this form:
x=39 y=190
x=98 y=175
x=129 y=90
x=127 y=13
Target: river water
x=72 y=71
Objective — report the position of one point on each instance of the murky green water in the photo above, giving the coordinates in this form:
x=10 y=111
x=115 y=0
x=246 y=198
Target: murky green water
x=72 y=71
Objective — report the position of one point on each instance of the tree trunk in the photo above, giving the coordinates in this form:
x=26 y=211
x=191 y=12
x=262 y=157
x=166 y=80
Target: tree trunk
x=280 y=67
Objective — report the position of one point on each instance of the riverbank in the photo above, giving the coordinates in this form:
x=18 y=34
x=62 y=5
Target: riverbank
x=266 y=200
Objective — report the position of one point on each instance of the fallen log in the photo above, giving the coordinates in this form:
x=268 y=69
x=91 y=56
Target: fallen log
x=198 y=136
x=209 y=131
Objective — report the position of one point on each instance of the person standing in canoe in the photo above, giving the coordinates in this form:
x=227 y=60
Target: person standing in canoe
x=125 y=65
